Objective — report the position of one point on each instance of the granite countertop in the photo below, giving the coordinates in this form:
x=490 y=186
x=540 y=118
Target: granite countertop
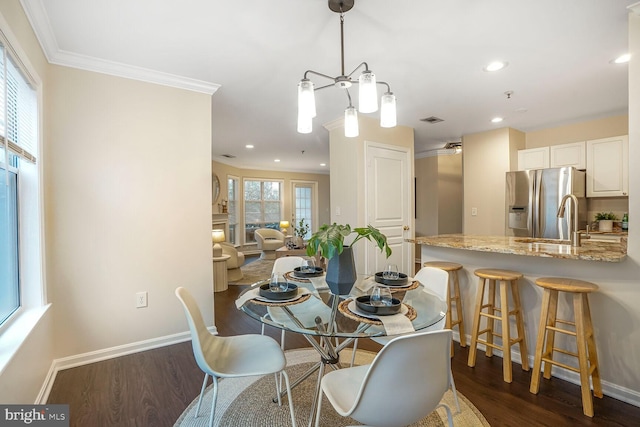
x=589 y=251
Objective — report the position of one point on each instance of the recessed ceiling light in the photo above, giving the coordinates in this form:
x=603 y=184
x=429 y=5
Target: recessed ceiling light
x=249 y=146
x=496 y=120
x=622 y=59
x=323 y=164
x=276 y=160
x=495 y=66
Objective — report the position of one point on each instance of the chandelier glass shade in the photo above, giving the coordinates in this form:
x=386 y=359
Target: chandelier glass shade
x=351 y=122
x=367 y=89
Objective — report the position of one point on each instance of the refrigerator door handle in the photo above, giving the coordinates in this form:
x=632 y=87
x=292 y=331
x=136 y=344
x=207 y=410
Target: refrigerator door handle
x=536 y=206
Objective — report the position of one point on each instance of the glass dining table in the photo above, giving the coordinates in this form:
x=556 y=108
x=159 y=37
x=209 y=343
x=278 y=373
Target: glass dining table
x=331 y=323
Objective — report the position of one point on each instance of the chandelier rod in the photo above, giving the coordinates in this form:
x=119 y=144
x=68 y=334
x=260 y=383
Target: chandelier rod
x=342 y=41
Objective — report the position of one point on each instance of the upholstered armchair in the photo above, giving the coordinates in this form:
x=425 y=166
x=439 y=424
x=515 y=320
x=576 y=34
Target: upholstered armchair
x=234 y=262
x=268 y=241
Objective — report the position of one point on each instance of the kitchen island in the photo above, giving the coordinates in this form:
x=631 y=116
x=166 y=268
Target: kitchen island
x=612 y=308
x=590 y=250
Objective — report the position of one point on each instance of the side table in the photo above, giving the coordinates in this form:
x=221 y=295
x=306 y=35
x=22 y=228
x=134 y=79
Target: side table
x=220 y=282
x=284 y=251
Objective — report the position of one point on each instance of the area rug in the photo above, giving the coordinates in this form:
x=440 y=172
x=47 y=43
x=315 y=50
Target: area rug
x=255 y=271
x=246 y=402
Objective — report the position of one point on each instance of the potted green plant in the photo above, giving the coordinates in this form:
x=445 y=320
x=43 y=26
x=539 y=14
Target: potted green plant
x=605 y=221
x=300 y=231
x=328 y=242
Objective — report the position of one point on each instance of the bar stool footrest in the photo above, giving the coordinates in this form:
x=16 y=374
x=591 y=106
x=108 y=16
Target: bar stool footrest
x=493 y=316
x=562 y=331
x=562 y=365
x=497 y=347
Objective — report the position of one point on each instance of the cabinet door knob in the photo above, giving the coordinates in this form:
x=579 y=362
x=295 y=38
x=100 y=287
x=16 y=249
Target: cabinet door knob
x=405 y=228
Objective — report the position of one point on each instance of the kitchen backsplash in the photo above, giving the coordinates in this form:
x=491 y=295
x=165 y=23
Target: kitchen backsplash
x=618 y=205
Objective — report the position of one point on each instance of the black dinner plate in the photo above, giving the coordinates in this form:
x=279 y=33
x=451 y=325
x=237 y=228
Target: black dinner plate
x=317 y=271
x=291 y=292
x=401 y=281
x=379 y=310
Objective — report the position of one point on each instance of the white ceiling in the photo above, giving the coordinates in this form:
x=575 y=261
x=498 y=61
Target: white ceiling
x=431 y=53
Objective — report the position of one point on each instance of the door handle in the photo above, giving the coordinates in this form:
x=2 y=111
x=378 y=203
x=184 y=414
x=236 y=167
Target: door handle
x=405 y=228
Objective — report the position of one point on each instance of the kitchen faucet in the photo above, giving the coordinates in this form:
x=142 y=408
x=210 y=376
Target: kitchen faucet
x=575 y=234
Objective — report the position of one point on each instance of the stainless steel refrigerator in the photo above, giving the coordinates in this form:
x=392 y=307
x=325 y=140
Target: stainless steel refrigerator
x=533 y=197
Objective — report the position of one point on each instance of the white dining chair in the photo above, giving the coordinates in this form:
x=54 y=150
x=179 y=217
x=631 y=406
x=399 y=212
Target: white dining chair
x=435 y=281
x=384 y=395
x=231 y=357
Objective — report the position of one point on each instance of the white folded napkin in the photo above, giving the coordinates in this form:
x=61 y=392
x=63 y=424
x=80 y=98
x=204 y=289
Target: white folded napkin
x=318 y=282
x=366 y=284
x=396 y=324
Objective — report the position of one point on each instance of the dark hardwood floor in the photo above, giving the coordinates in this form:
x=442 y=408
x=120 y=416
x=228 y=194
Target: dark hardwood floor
x=152 y=388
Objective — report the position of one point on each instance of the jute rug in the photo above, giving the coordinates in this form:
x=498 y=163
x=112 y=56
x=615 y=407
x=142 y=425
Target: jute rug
x=246 y=402
x=255 y=271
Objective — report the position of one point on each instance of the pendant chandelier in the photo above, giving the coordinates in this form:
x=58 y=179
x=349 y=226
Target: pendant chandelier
x=367 y=89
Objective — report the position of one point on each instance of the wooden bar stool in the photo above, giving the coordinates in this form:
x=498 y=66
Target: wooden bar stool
x=453 y=287
x=504 y=277
x=586 y=344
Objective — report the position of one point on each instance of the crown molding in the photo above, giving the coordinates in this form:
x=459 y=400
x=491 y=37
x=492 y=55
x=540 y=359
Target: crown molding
x=334 y=124
x=88 y=63
x=37 y=16
x=635 y=8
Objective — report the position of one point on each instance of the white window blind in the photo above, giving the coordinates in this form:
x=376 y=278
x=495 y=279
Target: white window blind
x=18 y=109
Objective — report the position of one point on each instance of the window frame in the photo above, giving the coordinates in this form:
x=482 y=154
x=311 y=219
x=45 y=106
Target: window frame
x=31 y=261
x=236 y=203
x=244 y=204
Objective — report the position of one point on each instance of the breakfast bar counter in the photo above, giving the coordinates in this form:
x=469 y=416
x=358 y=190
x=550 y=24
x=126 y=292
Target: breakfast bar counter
x=605 y=263
x=607 y=251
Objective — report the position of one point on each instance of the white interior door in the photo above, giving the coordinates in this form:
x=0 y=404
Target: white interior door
x=389 y=204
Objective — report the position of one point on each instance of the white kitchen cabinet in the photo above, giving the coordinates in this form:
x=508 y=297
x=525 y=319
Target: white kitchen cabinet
x=533 y=158
x=573 y=154
x=608 y=167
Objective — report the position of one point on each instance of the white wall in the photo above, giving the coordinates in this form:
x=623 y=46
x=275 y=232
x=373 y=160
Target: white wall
x=128 y=198
x=439 y=195
x=427 y=218
x=487 y=156
x=450 y=194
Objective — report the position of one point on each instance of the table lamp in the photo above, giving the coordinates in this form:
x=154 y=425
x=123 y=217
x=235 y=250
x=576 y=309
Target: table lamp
x=217 y=236
x=283 y=226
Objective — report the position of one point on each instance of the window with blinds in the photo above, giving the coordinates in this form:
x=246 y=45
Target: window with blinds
x=18 y=109
x=262 y=206
x=18 y=142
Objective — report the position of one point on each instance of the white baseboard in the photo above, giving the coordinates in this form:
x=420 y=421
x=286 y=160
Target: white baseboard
x=107 y=353
x=623 y=394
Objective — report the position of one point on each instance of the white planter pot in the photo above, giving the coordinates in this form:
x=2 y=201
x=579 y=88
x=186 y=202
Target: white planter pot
x=605 y=225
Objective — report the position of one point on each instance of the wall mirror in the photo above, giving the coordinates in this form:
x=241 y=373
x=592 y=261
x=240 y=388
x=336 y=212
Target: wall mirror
x=215 y=187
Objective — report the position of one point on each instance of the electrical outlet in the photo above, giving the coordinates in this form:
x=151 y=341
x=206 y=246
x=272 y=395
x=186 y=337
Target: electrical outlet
x=141 y=299
x=474 y=211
